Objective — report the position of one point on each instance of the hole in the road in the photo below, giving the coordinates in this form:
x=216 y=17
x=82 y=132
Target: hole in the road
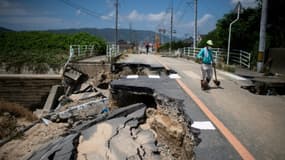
x=123 y=69
x=124 y=98
x=266 y=89
x=164 y=115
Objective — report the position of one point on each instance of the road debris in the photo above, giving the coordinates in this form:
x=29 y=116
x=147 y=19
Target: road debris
x=96 y=120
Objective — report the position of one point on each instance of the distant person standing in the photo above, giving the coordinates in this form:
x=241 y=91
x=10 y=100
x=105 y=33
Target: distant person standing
x=147 y=48
x=206 y=56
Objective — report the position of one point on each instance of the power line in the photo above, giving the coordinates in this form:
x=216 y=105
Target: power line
x=178 y=6
x=81 y=8
x=188 y=4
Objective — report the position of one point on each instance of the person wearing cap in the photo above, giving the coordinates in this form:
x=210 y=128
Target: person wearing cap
x=206 y=56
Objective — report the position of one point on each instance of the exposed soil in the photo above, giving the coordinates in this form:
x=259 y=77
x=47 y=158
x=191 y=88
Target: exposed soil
x=31 y=140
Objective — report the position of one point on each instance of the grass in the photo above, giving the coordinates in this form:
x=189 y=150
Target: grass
x=16 y=110
x=9 y=112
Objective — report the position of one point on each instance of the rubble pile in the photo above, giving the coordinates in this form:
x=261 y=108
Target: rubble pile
x=32 y=139
x=85 y=125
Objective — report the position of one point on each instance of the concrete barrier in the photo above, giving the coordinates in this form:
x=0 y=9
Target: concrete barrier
x=30 y=91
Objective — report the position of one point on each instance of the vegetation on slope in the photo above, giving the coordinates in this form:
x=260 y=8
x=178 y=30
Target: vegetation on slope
x=41 y=50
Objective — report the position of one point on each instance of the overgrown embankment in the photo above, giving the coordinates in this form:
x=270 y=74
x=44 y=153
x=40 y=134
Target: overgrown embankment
x=39 y=51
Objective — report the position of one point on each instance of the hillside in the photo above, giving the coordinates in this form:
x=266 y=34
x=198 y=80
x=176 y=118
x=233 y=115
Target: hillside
x=41 y=50
x=108 y=34
x=5 y=29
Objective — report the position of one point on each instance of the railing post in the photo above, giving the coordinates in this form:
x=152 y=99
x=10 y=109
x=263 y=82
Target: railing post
x=240 y=52
x=218 y=52
x=189 y=51
x=216 y=57
x=249 y=55
x=78 y=50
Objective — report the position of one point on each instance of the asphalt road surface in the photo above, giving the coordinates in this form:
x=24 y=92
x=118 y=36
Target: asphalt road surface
x=256 y=121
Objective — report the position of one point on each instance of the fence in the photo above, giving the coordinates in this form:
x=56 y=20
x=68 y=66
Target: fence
x=77 y=52
x=112 y=51
x=220 y=55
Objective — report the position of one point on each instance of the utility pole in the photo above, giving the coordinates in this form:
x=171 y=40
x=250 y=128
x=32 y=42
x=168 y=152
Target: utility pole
x=262 y=36
x=116 y=34
x=171 y=27
x=195 y=25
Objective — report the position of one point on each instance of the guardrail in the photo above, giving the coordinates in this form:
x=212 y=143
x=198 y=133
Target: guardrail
x=77 y=52
x=112 y=51
x=240 y=57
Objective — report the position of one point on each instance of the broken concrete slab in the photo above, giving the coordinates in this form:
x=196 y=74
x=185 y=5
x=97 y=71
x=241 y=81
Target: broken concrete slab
x=120 y=112
x=72 y=74
x=63 y=148
x=82 y=111
x=108 y=137
x=84 y=96
x=52 y=100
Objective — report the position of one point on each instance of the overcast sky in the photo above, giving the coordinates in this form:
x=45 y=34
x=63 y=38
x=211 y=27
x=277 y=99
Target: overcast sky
x=139 y=14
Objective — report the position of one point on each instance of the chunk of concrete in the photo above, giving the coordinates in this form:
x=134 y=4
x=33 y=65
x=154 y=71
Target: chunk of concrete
x=64 y=148
x=52 y=100
x=84 y=96
x=113 y=139
x=72 y=74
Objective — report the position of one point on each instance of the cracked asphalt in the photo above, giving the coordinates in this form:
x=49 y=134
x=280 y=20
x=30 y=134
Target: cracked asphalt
x=256 y=121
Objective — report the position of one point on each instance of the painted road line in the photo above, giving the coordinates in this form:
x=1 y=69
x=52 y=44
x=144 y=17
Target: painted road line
x=132 y=76
x=153 y=76
x=203 y=125
x=174 y=76
x=238 y=146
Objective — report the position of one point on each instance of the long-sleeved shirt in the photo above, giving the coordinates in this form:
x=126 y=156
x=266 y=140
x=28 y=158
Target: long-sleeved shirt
x=206 y=55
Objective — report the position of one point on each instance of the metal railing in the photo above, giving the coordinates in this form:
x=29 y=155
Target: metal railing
x=77 y=52
x=239 y=57
x=112 y=51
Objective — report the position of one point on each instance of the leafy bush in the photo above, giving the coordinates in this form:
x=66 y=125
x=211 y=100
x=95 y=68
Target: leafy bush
x=16 y=110
x=42 y=50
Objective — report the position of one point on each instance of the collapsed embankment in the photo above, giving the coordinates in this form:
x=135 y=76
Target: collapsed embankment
x=119 y=121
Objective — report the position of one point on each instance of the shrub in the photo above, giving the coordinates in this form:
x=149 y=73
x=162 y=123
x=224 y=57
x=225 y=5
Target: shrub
x=16 y=110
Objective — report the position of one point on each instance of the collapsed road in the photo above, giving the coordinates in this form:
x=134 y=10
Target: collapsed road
x=139 y=111
x=109 y=118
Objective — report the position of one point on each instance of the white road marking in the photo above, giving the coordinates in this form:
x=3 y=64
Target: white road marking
x=153 y=76
x=174 y=76
x=132 y=76
x=203 y=125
